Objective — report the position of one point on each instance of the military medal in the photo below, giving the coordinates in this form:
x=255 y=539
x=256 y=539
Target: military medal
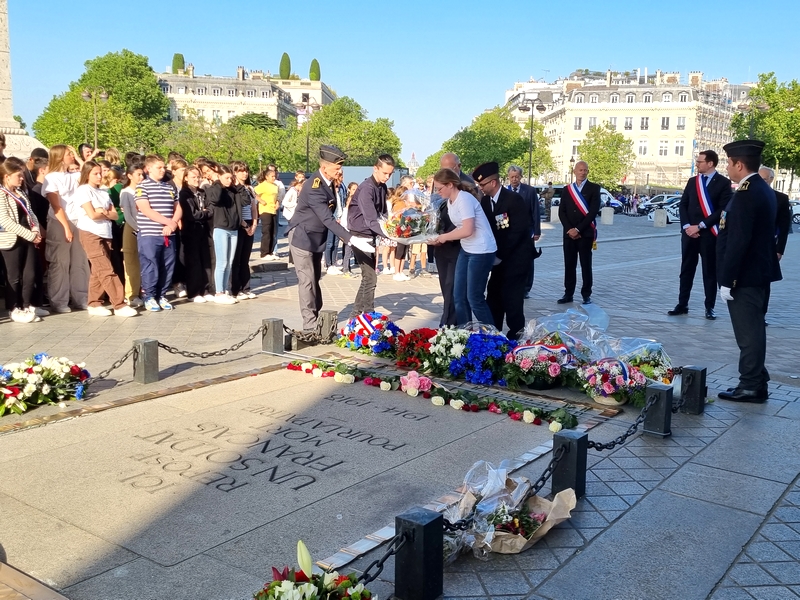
x=502 y=221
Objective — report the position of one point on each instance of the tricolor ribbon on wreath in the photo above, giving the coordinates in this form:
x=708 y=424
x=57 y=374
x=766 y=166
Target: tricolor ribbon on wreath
x=364 y=321
x=580 y=202
x=705 y=203
x=548 y=349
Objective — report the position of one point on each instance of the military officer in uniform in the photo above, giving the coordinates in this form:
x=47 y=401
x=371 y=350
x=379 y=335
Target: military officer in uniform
x=705 y=196
x=783 y=221
x=510 y=219
x=747 y=263
x=309 y=226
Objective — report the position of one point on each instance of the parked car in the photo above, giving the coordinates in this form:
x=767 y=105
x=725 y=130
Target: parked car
x=606 y=199
x=655 y=202
x=673 y=211
x=795 y=211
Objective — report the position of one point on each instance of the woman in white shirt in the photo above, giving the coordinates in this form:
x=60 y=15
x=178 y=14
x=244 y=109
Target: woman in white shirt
x=68 y=273
x=95 y=213
x=478 y=248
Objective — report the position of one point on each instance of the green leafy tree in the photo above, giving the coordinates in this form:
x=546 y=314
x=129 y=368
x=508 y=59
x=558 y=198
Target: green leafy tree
x=313 y=71
x=542 y=161
x=130 y=118
x=178 y=63
x=286 y=66
x=609 y=156
x=430 y=165
x=492 y=136
x=19 y=120
x=256 y=120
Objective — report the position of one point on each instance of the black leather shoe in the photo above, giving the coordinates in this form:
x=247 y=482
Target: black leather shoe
x=741 y=395
x=564 y=300
x=764 y=391
x=710 y=314
x=587 y=299
x=678 y=310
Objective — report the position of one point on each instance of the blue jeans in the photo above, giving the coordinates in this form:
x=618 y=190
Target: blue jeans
x=331 y=249
x=157 y=263
x=469 y=288
x=224 y=249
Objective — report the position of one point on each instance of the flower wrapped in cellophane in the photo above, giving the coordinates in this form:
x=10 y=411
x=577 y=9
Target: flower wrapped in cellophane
x=412 y=221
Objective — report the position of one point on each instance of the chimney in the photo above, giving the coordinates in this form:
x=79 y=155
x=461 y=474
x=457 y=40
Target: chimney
x=240 y=73
x=608 y=78
x=638 y=76
x=190 y=70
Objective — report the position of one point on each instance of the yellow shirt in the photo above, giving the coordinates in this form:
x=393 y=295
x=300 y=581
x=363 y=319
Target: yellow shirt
x=267 y=193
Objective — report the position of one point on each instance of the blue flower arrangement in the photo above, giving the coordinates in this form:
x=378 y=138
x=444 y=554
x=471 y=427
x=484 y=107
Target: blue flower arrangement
x=483 y=359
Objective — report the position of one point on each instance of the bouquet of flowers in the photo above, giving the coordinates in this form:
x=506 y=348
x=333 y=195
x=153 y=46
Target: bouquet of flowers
x=370 y=333
x=611 y=381
x=483 y=359
x=650 y=358
x=518 y=522
x=413 y=348
x=304 y=584
x=40 y=379
x=538 y=366
x=412 y=384
x=413 y=222
x=447 y=345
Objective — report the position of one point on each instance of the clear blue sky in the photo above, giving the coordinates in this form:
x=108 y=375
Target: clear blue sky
x=429 y=66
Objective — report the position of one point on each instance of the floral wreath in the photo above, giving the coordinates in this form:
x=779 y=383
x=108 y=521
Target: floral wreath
x=369 y=333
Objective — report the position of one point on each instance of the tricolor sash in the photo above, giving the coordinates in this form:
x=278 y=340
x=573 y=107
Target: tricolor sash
x=19 y=201
x=705 y=203
x=581 y=203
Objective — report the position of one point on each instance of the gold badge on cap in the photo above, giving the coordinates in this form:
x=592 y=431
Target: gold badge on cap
x=316 y=183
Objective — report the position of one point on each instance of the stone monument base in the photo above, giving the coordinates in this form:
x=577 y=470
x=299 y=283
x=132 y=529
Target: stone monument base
x=19 y=143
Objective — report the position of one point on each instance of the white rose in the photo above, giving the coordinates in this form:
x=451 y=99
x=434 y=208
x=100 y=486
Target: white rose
x=62 y=405
x=349 y=378
x=316 y=372
x=437 y=401
x=457 y=404
x=386 y=386
x=528 y=416
x=306 y=365
x=555 y=426
x=338 y=377
x=413 y=392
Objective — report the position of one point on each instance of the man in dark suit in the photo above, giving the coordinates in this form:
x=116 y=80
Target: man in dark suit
x=531 y=198
x=747 y=263
x=580 y=203
x=510 y=219
x=309 y=227
x=704 y=198
x=783 y=221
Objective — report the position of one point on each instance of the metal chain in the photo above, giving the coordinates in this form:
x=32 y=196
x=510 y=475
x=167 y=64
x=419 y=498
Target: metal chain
x=460 y=525
x=618 y=441
x=314 y=337
x=395 y=544
x=547 y=473
x=222 y=352
x=685 y=385
x=115 y=365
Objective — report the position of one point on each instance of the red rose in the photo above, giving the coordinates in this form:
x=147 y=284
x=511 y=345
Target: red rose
x=465 y=408
x=29 y=370
x=341 y=579
x=426 y=395
x=352 y=336
x=474 y=407
x=300 y=577
x=376 y=382
x=365 y=341
x=537 y=421
x=552 y=359
x=74 y=370
x=13 y=391
x=604 y=378
x=515 y=416
x=308 y=370
x=367 y=380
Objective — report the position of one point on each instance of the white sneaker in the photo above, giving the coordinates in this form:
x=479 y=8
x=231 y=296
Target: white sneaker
x=40 y=312
x=19 y=315
x=136 y=302
x=251 y=295
x=224 y=299
x=242 y=296
x=61 y=309
x=209 y=297
x=180 y=290
x=400 y=277
x=334 y=271
x=269 y=257
x=36 y=318
x=125 y=311
x=98 y=311
x=199 y=299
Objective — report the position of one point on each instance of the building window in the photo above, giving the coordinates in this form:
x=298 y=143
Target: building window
x=612 y=121
x=577 y=126
x=681 y=123
x=305 y=98
x=265 y=94
x=181 y=90
x=645 y=124
x=231 y=114
x=593 y=99
x=648 y=98
x=578 y=98
x=665 y=123
x=232 y=93
x=630 y=98
x=642 y=147
x=684 y=97
x=166 y=88
x=663 y=147
x=575 y=144
x=592 y=122
x=216 y=92
x=200 y=91
x=667 y=97
x=679 y=145
x=628 y=123
x=614 y=98
x=201 y=112
x=251 y=93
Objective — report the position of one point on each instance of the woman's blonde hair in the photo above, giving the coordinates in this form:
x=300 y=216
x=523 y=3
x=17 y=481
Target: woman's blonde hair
x=112 y=156
x=57 y=153
x=112 y=176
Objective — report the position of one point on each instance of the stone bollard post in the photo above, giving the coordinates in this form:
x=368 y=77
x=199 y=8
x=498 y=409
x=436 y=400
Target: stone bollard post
x=660 y=218
x=554 y=213
x=418 y=568
x=658 y=420
x=693 y=390
x=570 y=472
x=329 y=319
x=606 y=216
x=272 y=338
x=145 y=361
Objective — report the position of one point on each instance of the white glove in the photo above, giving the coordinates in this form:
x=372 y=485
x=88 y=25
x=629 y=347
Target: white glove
x=725 y=293
x=362 y=244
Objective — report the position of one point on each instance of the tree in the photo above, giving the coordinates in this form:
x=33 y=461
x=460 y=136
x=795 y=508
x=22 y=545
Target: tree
x=178 y=63
x=129 y=119
x=609 y=155
x=286 y=66
x=256 y=120
x=492 y=136
x=542 y=161
x=19 y=120
x=313 y=71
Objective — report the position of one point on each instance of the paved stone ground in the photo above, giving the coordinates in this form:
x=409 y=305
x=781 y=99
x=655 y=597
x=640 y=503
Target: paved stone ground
x=711 y=511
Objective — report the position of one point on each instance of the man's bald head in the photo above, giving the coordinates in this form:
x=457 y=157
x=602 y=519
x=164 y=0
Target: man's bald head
x=450 y=160
x=581 y=170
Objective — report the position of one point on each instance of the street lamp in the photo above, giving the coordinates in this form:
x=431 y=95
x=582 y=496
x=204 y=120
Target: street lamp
x=571 y=168
x=748 y=108
x=92 y=95
x=527 y=104
x=304 y=106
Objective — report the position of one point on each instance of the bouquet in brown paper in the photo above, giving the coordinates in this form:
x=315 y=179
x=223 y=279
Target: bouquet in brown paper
x=514 y=530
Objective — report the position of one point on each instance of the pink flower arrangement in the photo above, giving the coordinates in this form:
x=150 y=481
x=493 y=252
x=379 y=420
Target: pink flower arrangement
x=554 y=369
x=413 y=381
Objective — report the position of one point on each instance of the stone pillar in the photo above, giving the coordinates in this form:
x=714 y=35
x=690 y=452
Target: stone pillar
x=606 y=216
x=660 y=218
x=554 y=214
